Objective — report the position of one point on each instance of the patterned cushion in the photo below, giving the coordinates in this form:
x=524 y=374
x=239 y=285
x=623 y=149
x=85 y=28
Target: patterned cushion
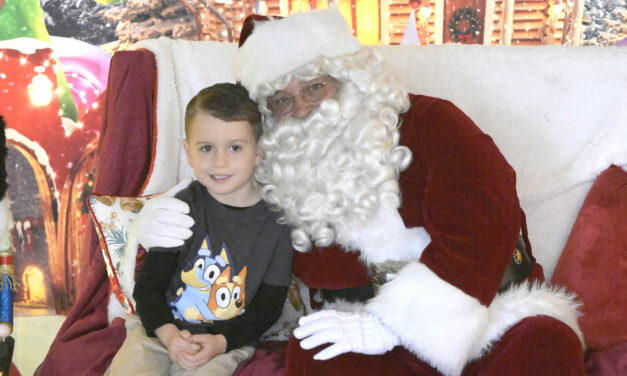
x=113 y=217
x=296 y=305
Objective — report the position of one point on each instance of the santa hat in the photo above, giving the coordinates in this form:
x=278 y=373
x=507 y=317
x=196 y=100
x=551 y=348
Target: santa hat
x=279 y=45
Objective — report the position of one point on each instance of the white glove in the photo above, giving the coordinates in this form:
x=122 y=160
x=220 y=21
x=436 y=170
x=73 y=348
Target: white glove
x=359 y=332
x=163 y=221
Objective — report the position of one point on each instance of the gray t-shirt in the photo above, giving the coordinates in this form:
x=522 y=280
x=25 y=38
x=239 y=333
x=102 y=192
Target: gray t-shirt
x=233 y=250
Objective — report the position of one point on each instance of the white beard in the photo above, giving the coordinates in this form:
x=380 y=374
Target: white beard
x=332 y=170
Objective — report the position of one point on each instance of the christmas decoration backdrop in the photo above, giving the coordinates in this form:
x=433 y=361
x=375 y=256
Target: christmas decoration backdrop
x=54 y=57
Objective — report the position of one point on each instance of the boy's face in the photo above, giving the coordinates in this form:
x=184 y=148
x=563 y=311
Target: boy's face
x=223 y=156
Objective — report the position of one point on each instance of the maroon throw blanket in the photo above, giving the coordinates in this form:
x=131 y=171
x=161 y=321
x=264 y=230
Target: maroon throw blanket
x=86 y=343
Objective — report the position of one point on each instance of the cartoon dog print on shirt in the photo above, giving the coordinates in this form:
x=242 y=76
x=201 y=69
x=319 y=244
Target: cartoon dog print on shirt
x=211 y=292
x=198 y=277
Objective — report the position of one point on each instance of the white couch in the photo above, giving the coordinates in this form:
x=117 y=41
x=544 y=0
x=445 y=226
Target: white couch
x=558 y=114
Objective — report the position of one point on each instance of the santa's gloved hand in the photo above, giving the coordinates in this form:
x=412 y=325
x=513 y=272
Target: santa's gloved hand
x=359 y=332
x=163 y=221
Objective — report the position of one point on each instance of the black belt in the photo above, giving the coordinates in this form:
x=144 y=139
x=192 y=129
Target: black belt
x=519 y=268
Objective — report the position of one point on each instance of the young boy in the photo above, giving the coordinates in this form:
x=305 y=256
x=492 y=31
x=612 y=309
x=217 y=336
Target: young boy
x=210 y=299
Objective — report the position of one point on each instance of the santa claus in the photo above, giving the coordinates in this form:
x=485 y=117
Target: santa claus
x=403 y=189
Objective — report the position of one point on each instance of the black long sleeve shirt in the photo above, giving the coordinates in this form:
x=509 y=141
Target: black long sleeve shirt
x=243 y=242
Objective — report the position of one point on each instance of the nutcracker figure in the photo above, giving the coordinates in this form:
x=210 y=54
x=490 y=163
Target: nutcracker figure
x=7 y=273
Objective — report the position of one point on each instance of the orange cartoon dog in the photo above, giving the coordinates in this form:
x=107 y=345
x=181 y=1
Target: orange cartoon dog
x=227 y=297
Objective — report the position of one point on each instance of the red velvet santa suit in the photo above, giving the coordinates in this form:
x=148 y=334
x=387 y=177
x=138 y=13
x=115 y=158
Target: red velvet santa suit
x=440 y=300
x=463 y=191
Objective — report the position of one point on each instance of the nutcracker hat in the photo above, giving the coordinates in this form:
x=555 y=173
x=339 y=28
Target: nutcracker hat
x=271 y=48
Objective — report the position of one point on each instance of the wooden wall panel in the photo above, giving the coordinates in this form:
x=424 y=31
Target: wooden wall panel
x=399 y=16
x=528 y=20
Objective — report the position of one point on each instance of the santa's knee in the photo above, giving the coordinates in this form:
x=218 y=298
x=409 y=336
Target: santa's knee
x=538 y=345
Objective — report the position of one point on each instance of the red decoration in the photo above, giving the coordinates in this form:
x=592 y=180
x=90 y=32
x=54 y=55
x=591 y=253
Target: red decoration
x=464 y=25
x=415 y=4
x=40 y=124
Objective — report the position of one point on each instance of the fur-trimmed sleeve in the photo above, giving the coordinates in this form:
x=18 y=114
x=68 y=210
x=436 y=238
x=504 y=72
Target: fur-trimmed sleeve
x=444 y=307
x=463 y=191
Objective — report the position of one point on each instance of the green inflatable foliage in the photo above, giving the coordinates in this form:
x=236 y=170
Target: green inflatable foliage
x=22 y=18
x=25 y=19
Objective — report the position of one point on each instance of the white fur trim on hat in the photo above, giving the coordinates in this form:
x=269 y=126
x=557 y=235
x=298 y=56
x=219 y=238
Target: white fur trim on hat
x=277 y=47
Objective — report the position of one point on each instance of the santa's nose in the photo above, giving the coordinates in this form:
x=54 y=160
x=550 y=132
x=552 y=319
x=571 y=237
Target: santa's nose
x=301 y=108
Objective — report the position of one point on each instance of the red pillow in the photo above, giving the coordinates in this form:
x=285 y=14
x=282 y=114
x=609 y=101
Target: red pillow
x=594 y=261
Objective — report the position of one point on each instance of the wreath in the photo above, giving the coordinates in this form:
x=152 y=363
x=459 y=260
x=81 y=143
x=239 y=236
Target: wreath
x=464 y=25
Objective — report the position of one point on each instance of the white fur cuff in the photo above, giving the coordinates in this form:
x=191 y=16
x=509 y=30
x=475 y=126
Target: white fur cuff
x=385 y=237
x=448 y=328
x=434 y=319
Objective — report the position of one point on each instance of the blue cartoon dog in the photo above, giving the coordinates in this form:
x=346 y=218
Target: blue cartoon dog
x=193 y=298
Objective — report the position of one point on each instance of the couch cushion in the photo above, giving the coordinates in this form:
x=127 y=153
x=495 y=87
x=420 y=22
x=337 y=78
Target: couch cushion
x=112 y=218
x=594 y=261
x=609 y=362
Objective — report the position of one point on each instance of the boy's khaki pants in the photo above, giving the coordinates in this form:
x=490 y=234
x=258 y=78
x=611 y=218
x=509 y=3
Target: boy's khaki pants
x=143 y=355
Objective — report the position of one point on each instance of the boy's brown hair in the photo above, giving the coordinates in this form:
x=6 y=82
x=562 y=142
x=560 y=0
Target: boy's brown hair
x=227 y=102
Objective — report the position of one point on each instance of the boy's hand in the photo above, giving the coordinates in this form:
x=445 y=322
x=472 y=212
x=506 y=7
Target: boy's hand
x=178 y=343
x=211 y=345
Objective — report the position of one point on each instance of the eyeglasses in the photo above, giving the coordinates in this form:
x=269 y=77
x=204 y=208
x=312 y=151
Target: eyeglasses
x=282 y=103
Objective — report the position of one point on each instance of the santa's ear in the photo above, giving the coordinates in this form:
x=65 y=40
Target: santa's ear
x=259 y=155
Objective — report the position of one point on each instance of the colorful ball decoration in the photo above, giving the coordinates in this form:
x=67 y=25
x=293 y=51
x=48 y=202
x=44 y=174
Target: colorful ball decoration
x=464 y=25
